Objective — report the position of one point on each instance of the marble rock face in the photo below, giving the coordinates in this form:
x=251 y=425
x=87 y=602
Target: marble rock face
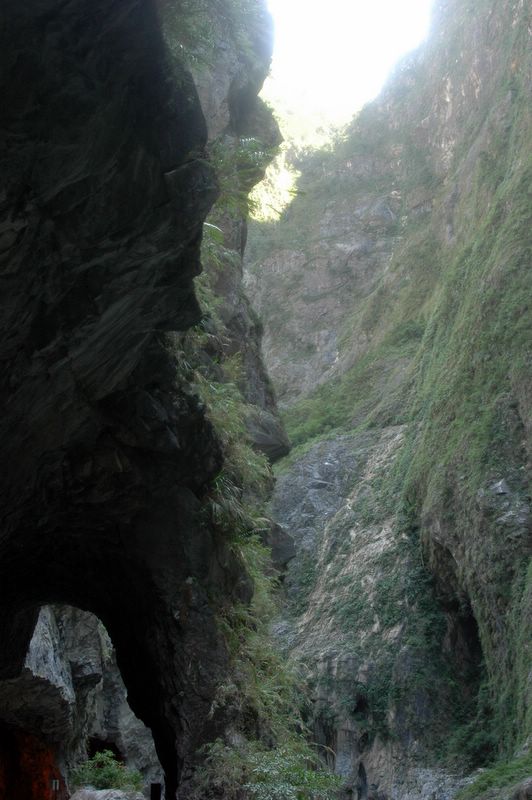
x=106 y=794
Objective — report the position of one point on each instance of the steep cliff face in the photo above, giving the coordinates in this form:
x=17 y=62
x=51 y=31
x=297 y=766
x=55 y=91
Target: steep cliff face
x=108 y=454
x=386 y=668
x=243 y=137
x=404 y=260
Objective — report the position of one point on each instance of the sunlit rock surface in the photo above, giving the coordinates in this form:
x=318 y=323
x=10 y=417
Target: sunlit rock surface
x=395 y=296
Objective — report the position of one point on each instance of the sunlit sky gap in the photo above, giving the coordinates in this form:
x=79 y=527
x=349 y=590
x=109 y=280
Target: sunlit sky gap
x=331 y=57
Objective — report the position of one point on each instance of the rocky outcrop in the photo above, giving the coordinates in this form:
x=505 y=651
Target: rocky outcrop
x=339 y=248
x=106 y=794
x=112 y=724
x=243 y=137
x=107 y=452
x=56 y=687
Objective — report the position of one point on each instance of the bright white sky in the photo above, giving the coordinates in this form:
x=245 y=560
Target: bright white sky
x=332 y=56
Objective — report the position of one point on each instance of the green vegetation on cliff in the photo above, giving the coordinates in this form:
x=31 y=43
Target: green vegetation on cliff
x=194 y=28
x=433 y=332
x=264 y=748
x=503 y=777
x=269 y=754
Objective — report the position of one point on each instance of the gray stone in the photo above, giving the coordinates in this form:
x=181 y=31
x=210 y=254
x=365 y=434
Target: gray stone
x=524 y=791
x=282 y=547
x=106 y=794
x=501 y=487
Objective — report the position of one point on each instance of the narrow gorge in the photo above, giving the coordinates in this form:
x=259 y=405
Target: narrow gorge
x=265 y=480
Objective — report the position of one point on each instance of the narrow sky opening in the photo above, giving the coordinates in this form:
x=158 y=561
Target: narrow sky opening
x=332 y=57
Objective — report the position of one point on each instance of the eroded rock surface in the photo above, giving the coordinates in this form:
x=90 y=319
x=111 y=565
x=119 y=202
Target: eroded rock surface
x=351 y=624
x=70 y=691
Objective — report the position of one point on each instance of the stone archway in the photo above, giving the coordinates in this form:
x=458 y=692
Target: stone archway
x=158 y=613
x=68 y=702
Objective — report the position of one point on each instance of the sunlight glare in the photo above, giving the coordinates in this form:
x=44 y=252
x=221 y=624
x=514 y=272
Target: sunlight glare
x=332 y=57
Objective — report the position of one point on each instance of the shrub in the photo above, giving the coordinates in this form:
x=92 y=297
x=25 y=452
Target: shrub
x=103 y=771
x=290 y=772
x=504 y=775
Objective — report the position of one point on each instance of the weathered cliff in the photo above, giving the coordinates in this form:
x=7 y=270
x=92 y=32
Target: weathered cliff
x=109 y=456
x=397 y=280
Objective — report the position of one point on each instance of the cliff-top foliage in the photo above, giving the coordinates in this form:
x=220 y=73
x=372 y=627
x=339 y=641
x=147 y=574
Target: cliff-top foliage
x=499 y=781
x=194 y=28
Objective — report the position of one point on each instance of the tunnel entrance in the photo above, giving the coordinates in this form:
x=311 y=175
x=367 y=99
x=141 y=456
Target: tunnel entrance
x=68 y=699
x=28 y=767
x=96 y=745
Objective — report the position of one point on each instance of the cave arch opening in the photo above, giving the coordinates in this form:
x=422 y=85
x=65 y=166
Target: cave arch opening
x=67 y=703
x=146 y=574
x=96 y=745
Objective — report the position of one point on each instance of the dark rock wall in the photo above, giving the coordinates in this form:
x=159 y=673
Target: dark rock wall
x=106 y=454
